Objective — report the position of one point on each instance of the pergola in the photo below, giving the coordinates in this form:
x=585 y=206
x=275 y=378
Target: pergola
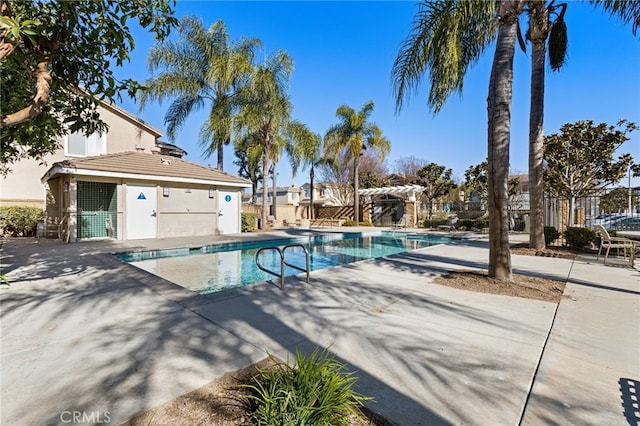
x=408 y=192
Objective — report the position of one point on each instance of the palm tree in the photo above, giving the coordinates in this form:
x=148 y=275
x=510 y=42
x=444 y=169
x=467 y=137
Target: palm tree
x=305 y=149
x=354 y=133
x=448 y=36
x=248 y=152
x=541 y=29
x=202 y=68
x=265 y=110
x=275 y=151
x=433 y=47
x=499 y=124
x=447 y=54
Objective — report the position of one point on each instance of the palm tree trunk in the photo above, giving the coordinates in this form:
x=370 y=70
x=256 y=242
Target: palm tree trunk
x=356 y=205
x=265 y=187
x=254 y=191
x=274 y=200
x=312 y=175
x=220 y=157
x=539 y=29
x=536 y=149
x=499 y=124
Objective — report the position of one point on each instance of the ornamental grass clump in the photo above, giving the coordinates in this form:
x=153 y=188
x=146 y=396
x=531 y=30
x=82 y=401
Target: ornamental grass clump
x=316 y=391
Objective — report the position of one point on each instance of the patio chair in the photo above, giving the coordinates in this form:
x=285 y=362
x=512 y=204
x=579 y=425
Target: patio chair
x=609 y=242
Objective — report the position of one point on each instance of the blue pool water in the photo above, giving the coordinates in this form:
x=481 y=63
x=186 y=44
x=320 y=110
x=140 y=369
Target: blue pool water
x=218 y=267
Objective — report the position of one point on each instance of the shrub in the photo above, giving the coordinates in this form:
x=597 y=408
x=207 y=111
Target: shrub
x=432 y=223
x=316 y=391
x=20 y=221
x=351 y=222
x=550 y=235
x=249 y=222
x=477 y=224
x=579 y=237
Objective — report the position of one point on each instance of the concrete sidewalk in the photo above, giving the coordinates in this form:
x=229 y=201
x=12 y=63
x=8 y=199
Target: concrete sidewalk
x=84 y=332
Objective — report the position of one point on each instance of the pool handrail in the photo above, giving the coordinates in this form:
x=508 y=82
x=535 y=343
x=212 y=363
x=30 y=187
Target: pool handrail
x=281 y=252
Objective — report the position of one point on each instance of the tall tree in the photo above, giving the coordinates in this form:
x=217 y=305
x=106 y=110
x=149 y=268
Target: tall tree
x=266 y=110
x=475 y=182
x=446 y=54
x=51 y=48
x=337 y=178
x=499 y=125
x=580 y=159
x=355 y=133
x=275 y=151
x=305 y=149
x=247 y=151
x=617 y=200
x=437 y=181
x=409 y=166
x=541 y=29
x=372 y=171
x=202 y=69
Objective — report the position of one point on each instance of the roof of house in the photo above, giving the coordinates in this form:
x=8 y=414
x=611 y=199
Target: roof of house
x=171 y=149
x=144 y=166
x=280 y=190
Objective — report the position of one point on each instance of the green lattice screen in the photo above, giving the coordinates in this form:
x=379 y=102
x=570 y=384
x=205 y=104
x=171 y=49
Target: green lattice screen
x=97 y=209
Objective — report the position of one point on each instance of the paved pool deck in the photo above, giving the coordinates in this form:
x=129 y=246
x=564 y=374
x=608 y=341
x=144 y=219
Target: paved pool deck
x=83 y=332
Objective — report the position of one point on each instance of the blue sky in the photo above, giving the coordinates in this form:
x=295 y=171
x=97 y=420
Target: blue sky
x=343 y=53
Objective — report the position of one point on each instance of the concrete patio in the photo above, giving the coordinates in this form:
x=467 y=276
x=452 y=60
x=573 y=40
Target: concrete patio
x=84 y=332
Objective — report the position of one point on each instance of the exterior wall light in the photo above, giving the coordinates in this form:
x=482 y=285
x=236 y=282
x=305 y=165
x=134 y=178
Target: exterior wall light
x=212 y=192
x=165 y=191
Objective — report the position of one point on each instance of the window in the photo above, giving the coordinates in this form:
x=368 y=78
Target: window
x=79 y=145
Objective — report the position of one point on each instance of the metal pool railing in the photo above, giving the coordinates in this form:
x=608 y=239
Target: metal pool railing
x=283 y=262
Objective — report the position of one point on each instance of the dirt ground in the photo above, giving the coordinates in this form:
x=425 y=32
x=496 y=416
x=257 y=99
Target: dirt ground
x=221 y=402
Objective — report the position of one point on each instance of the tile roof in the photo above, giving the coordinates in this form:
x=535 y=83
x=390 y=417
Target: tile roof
x=137 y=163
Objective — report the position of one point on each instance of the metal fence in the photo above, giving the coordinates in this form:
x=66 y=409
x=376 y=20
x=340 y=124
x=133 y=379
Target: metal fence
x=614 y=208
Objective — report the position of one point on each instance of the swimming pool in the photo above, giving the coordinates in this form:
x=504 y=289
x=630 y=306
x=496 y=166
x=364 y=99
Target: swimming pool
x=215 y=268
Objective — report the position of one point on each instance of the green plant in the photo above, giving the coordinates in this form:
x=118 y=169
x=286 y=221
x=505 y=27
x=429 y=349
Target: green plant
x=19 y=221
x=248 y=222
x=351 y=222
x=316 y=391
x=476 y=224
x=434 y=223
x=579 y=237
x=550 y=235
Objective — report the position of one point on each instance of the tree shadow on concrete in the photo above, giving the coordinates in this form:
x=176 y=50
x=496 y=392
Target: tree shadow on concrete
x=85 y=332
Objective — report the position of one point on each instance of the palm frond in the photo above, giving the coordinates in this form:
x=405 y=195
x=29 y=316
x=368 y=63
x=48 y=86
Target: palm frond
x=178 y=112
x=447 y=37
x=627 y=11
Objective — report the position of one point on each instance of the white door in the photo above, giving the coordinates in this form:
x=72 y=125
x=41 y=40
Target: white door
x=229 y=212
x=142 y=216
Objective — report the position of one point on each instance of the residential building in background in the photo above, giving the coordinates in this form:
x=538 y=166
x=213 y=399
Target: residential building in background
x=125 y=184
